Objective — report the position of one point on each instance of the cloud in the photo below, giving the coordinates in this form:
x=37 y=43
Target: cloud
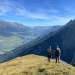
x=7 y=6
x=33 y=15
x=41 y=14
x=4 y=8
x=49 y=16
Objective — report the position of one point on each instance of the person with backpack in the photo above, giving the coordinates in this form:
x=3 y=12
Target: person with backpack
x=57 y=54
x=49 y=54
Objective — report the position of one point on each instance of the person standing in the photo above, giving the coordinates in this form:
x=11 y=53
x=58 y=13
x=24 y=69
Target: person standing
x=57 y=54
x=49 y=54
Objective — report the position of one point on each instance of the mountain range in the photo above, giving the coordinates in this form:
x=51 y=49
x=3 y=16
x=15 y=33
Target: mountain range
x=62 y=36
x=13 y=34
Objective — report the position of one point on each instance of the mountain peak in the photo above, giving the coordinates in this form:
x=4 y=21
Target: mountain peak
x=71 y=22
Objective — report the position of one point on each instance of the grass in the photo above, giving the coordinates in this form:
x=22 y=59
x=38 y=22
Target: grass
x=35 y=65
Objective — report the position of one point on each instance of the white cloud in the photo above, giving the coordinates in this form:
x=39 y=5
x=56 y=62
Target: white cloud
x=38 y=14
x=4 y=10
x=7 y=6
x=34 y=15
x=48 y=15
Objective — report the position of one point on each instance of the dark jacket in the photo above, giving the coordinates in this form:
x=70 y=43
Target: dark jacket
x=57 y=53
x=49 y=53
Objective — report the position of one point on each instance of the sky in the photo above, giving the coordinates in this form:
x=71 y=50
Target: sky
x=37 y=12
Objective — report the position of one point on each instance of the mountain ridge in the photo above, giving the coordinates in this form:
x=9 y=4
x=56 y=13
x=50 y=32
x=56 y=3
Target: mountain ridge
x=64 y=37
x=12 y=33
x=35 y=65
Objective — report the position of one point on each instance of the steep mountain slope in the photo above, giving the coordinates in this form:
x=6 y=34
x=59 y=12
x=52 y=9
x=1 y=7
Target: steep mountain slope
x=35 y=65
x=12 y=28
x=10 y=34
x=63 y=37
x=66 y=35
x=13 y=35
x=9 y=28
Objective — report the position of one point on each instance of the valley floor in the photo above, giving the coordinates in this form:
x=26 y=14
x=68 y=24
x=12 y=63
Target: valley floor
x=35 y=65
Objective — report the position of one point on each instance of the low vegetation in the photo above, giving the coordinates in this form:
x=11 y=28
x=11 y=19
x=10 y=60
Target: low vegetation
x=35 y=65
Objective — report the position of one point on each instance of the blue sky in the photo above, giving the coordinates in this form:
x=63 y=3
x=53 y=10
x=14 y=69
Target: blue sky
x=37 y=12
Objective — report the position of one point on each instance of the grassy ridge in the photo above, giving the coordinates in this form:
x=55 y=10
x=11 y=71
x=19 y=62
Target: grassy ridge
x=35 y=65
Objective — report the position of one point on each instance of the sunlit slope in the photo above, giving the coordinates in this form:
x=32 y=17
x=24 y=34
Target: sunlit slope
x=35 y=65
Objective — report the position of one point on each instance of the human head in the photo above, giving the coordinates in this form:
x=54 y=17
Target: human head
x=58 y=47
